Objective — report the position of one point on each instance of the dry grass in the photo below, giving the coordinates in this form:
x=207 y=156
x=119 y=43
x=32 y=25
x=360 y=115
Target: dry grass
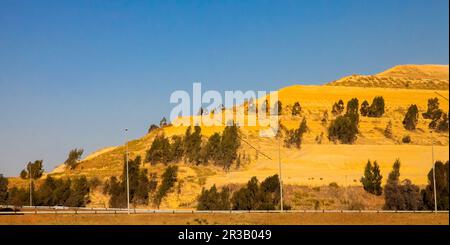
x=231 y=219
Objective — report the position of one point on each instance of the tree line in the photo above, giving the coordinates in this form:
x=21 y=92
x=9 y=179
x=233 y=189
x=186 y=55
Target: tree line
x=403 y=194
x=219 y=149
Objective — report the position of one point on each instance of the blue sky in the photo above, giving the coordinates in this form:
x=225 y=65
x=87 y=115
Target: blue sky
x=75 y=73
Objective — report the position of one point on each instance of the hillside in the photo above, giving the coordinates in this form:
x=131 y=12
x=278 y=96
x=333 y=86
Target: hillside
x=402 y=76
x=316 y=163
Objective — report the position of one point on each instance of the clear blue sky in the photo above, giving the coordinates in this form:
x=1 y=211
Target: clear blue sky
x=75 y=73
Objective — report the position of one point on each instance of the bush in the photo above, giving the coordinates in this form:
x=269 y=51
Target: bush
x=333 y=185
x=442 y=187
x=411 y=118
x=152 y=128
x=388 y=130
x=443 y=123
x=338 y=108
x=372 y=178
x=295 y=137
x=364 y=108
x=376 y=109
x=73 y=158
x=406 y=139
x=352 y=106
x=296 y=109
x=344 y=129
x=433 y=112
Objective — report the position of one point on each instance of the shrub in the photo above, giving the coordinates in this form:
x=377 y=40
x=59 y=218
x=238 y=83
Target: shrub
x=344 y=129
x=376 y=109
x=364 y=108
x=433 y=111
x=338 y=108
x=333 y=185
x=296 y=109
x=352 y=106
x=295 y=136
x=152 y=128
x=406 y=139
x=388 y=130
x=443 y=123
x=411 y=118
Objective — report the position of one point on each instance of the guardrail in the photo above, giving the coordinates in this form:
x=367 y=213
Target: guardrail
x=87 y=210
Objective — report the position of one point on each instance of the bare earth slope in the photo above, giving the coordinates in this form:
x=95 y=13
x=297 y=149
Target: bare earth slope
x=403 y=76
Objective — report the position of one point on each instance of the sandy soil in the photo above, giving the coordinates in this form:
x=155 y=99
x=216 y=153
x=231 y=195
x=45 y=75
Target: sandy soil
x=228 y=219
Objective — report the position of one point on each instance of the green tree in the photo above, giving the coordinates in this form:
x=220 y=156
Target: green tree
x=295 y=136
x=3 y=190
x=401 y=195
x=376 y=109
x=364 y=108
x=388 y=130
x=36 y=169
x=338 y=108
x=352 y=106
x=169 y=178
x=433 y=112
x=160 y=151
x=344 y=129
x=229 y=145
x=411 y=118
x=212 y=199
x=73 y=158
x=442 y=187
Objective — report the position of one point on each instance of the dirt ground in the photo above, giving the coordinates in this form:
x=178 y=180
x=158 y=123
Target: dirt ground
x=230 y=219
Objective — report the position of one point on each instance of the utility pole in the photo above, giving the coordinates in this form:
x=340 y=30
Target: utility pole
x=126 y=161
x=31 y=191
x=279 y=167
x=434 y=172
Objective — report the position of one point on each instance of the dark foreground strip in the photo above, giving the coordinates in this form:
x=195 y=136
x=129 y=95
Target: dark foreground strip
x=229 y=234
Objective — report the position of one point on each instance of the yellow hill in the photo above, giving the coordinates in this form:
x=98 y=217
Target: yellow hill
x=402 y=76
x=316 y=163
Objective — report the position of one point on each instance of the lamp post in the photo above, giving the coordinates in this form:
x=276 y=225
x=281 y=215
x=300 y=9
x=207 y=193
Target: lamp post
x=434 y=171
x=126 y=162
x=31 y=191
x=279 y=167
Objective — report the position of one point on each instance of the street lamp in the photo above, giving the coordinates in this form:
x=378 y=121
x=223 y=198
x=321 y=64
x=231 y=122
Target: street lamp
x=31 y=192
x=434 y=171
x=279 y=167
x=126 y=161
